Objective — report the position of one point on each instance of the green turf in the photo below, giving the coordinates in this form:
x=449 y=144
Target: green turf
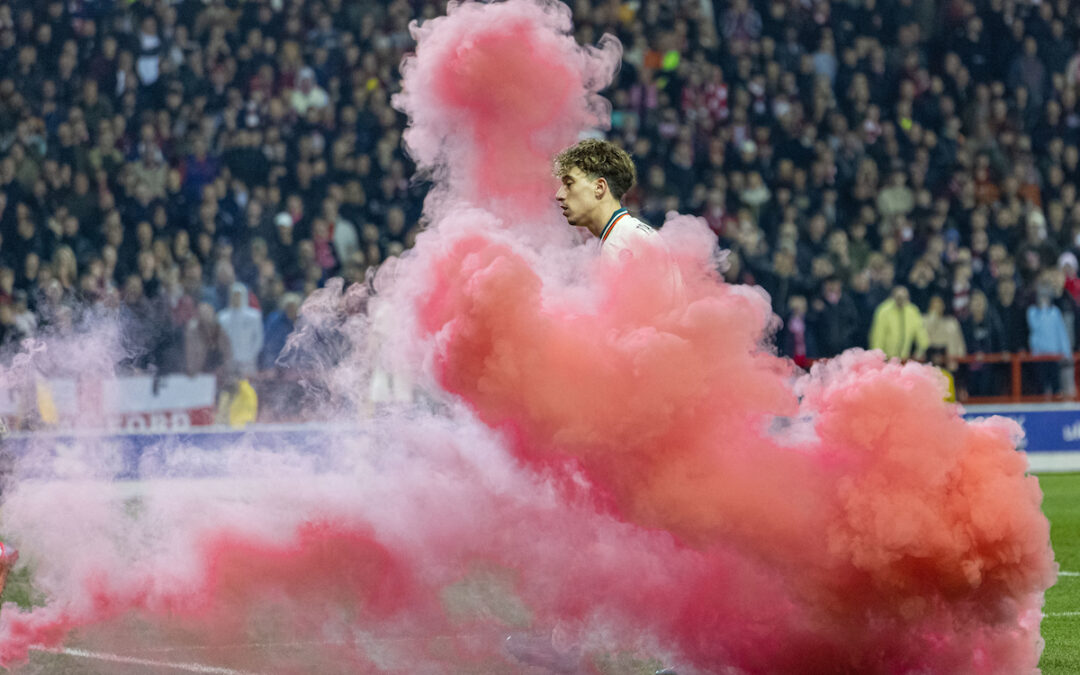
x=1061 y=504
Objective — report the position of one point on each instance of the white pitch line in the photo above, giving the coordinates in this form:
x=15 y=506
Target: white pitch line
x=1063 y=573
x=244 y=645
x=1064 y=614
x=118 y=658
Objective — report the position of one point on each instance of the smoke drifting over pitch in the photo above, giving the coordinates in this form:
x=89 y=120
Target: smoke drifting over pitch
x=621 y=469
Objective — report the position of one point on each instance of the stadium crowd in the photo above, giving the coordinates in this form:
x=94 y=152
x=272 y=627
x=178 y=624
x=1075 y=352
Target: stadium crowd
x=899 y=174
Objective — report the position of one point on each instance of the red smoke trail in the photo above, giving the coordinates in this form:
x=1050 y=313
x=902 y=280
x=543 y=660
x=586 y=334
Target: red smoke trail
x=493 y=92
x=647 y=476
x=317 y=569
x=904 y=537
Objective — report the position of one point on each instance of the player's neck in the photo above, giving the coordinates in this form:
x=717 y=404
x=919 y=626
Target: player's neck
x=604 y=213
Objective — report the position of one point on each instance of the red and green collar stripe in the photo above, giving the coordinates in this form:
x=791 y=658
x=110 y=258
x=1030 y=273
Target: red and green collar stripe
x=611 y=224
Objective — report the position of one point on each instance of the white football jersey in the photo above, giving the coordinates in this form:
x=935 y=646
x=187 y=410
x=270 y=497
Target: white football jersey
x=625 y=234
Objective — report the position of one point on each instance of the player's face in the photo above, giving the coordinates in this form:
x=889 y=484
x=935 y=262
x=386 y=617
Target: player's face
x=576 y=196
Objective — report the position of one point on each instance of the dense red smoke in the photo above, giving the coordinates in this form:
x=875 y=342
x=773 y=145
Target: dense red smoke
x=493 y=92
x=601 y=469
x=892 y=536
x=897 y=536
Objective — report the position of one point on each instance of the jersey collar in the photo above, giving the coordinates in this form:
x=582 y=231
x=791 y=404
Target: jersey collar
x=611 y=224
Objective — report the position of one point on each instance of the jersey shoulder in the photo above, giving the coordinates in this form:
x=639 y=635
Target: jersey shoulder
x=638 y=226
x=628 y=236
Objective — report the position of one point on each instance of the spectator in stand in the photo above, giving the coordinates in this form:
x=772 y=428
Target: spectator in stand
x=141 y=326
x=206 y=346
x=796 y=340
x=943 y=330
x=983 y=334
x=308 y=95
x=1013 y=315
x=9 y=330
x=200 y=170
x=833 y=318
x=243 y=326
x=936 y=357
x=780 y=279
x=26 y=321
x=219 y=292
x=7 y=285
x=279 y=325
x=345 y=238
x=1047 y=336
x=898 y=328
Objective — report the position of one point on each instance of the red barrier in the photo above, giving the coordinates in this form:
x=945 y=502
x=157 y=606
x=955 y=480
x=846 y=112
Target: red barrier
x=1016 y=361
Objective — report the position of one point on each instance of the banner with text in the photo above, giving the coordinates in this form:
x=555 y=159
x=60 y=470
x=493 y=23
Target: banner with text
x=134 y=403
x=1051 y=431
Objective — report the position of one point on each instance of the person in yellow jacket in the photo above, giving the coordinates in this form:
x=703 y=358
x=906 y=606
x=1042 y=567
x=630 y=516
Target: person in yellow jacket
x=244 y=407
x=238 y=404
x=898 y=328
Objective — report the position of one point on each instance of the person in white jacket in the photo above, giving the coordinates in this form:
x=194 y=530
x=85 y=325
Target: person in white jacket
x=244 y=327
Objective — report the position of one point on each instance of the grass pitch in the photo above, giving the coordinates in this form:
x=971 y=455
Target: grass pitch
x=1061 y=626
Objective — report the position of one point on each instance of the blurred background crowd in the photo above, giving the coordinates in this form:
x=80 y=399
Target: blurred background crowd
x=897 y=174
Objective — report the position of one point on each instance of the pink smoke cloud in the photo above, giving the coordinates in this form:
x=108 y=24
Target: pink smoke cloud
x=593 y=458
x=897 y=513
x=892 y=509
x=493 y=92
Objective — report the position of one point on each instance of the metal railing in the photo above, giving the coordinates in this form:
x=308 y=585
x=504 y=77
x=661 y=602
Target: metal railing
x=1014 y=391
x=1011 y=381
x=282 y=391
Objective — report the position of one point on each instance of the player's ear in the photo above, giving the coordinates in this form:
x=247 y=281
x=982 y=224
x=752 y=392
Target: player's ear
x=601 y=187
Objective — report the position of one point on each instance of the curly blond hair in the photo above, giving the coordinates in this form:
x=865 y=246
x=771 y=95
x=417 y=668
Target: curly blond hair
x=599 y=159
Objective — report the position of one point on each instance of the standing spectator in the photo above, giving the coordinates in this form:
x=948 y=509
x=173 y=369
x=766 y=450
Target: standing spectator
x=796 y=341
x=983 y=334
x=178 y=308
x=141 y=326
x=322 y=240
x=25 y=320
x=780 y=279
x=1013 y=318
x=279 y=325
x=1047 y=336
x=10 y=333
x=7 y=285
x=206 y=346
x=944 y=331
x=244 y=328
x=1068 y=263
x=935 y=356
x=833 y=318
x=898 y=328
x=217 y=293
x=346 y=239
